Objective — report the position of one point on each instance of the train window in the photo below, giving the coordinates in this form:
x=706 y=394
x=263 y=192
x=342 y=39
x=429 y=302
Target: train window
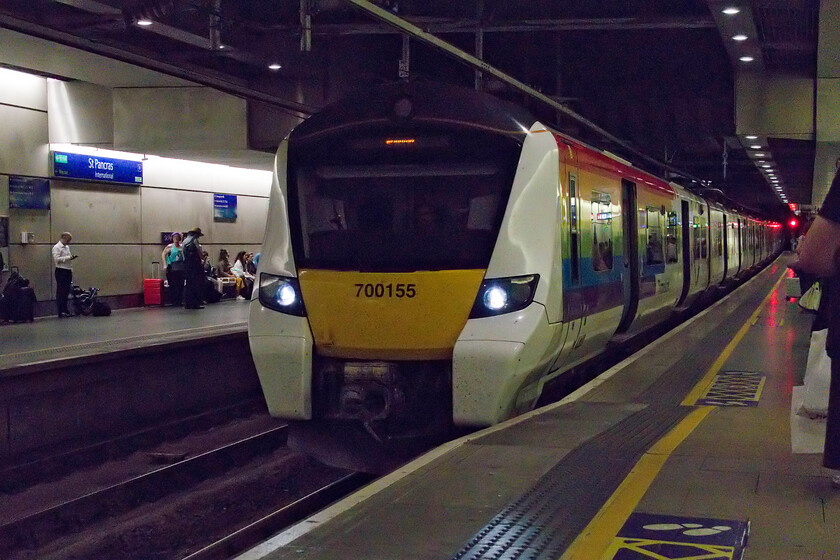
x=574 y=237
x=672 y=238
x=654 y=249
x=602 y=234
x=700 y=233
x=717 y=238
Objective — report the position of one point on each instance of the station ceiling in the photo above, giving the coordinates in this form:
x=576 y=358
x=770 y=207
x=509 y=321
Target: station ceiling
x=658 y=75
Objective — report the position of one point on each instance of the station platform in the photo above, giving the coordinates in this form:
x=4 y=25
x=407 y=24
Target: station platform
x=48 y=340
x=683 y=450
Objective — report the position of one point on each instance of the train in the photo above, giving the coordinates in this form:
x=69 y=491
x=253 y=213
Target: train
x=434 y=256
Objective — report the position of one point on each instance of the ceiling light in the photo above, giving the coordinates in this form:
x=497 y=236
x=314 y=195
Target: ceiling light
x=751 y=137
x=731 y=11
x=739 y=37
x=759 y=154
x=274 y=66
x=144 y=22
x=766 y=166
x=756 y=146
x=746 y=59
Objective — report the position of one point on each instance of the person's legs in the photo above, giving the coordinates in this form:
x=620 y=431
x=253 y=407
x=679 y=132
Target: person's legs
x=831 y=453
x=176 y=287
x=63 y=281
x=192 y=289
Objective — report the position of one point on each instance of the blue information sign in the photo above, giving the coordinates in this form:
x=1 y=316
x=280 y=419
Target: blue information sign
x=224 y=207
x=29 y=192
x=97 y=168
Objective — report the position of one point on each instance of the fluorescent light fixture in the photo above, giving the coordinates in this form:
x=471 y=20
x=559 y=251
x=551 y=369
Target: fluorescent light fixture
x=759 y=154
x=766 y=166
x=739 y=37
x=746 y=59
x=144 y=22
x=274 y=66
x=756 y=146
x=751 y=137
x=731 y=11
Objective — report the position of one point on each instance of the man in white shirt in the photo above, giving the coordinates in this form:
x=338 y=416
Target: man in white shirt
x=63 y=272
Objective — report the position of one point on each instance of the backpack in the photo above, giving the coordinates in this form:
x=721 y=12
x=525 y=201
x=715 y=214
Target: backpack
x=100 y=309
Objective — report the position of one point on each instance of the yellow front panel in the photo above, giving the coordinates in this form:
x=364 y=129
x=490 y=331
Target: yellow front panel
x=388 y=316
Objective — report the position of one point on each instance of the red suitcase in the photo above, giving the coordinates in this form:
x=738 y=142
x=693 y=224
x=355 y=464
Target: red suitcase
x=153 y=287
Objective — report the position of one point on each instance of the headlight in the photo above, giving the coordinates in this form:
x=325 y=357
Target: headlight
x=282 y=294
x=504 y=295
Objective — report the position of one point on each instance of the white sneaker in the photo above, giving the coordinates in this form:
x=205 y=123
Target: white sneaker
x=240 y=298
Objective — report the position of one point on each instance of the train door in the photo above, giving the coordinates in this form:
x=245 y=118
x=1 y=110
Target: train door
x=724 y=232
x=573 y=300
x=700 y=247
x=630 y=243
x=686 y=250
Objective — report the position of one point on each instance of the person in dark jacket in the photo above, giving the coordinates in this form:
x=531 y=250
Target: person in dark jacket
x=819 y=254
x=194 y=270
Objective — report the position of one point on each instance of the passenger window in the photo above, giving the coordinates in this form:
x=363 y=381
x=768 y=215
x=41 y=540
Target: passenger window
x=654 y=250
x=717 y=240
x=602 y=236
x=700 y=238
x=672 y=241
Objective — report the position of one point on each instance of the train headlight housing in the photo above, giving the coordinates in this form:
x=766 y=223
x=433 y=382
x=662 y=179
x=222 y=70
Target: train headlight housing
x=281 y=293
x=504 y=295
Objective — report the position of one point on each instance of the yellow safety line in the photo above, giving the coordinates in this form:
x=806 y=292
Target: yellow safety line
x=704 y=384
x=593 y=542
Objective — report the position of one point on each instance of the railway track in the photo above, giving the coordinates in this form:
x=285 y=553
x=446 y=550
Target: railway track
x=170 y=500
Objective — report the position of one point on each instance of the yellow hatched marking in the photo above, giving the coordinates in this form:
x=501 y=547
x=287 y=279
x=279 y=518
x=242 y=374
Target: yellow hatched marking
x=735 y=388
x=694 y=551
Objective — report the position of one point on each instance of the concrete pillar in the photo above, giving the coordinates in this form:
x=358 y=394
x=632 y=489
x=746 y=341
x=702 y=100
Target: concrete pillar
x=828 y=99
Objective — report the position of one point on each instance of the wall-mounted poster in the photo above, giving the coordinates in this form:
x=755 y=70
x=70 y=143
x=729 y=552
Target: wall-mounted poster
x=166 y=236
x=4 y=231
x=224 y=207
x=28 y=192
x=4 y=243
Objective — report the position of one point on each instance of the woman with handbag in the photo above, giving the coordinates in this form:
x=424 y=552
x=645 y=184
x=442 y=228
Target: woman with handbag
x=819 y=254
x=173 y=256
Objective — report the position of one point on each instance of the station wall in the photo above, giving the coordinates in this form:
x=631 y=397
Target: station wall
x=116 y=228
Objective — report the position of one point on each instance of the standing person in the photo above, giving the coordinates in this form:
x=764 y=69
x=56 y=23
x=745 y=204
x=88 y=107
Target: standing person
x=62 y=259
x=173 y=256
x=819 y=254
x=194 y=270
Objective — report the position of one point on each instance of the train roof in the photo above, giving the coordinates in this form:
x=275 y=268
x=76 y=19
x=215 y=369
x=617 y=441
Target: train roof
x=419 y=102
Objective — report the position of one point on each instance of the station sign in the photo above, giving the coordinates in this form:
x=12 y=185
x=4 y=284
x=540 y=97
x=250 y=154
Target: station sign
x=86 y=167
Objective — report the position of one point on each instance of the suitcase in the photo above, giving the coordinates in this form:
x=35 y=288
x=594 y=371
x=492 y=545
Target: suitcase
x=153 y=287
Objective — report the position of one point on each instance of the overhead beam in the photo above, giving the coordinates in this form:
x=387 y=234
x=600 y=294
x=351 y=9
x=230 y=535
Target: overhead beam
x=438 y=25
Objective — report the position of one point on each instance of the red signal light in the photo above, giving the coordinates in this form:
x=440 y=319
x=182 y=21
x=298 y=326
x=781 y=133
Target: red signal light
x=793 y=223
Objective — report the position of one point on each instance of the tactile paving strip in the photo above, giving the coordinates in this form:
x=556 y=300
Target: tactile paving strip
x=543 y=522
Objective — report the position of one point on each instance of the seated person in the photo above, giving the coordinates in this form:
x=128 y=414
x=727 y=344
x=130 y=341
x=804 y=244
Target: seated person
x=239 y=270
x=224 y=270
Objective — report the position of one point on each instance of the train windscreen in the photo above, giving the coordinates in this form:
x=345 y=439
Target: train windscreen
x=386 y=204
